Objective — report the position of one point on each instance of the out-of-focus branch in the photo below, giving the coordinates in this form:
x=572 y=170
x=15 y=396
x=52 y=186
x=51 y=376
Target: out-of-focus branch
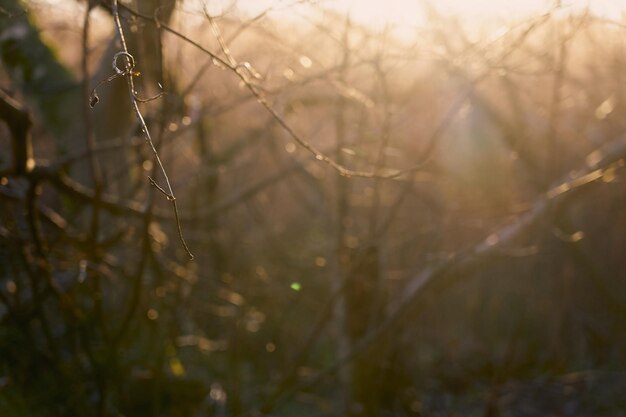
x=601 y=162
x=90 y=137
x=19 y=124
x=47 y=85
x=241 y=70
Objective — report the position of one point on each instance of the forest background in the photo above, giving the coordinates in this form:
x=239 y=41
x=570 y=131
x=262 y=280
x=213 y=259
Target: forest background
x=384 y=219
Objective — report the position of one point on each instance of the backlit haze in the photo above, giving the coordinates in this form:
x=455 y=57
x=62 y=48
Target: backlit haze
x=407 y=15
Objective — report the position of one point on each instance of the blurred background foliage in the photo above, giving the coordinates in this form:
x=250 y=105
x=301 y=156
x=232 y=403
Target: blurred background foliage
x=311 y=293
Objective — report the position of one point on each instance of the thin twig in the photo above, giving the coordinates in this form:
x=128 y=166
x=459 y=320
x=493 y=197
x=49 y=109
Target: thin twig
x=127 y=70
x=158 y=187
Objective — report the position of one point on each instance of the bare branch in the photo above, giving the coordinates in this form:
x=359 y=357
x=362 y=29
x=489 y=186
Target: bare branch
x=127 y=71
x=236 y=68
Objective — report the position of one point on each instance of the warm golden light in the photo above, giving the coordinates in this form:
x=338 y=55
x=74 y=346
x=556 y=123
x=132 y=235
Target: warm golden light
x=412 y=11
x=407 y=14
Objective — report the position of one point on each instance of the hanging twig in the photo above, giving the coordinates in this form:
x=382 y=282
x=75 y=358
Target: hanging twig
x=124 y=65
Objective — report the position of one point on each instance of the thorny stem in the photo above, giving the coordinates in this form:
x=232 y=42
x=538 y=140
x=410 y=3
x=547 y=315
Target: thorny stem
x=128 y=72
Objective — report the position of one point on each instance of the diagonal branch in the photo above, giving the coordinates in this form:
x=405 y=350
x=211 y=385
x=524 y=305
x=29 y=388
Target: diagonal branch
x=241 y=70
x=601 y=162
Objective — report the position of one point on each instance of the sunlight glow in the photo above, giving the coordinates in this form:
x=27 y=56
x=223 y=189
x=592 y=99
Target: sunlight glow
x=406 y=15
x=404 y=11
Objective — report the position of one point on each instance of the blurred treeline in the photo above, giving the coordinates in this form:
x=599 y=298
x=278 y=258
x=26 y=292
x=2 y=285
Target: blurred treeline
x=485 y=279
